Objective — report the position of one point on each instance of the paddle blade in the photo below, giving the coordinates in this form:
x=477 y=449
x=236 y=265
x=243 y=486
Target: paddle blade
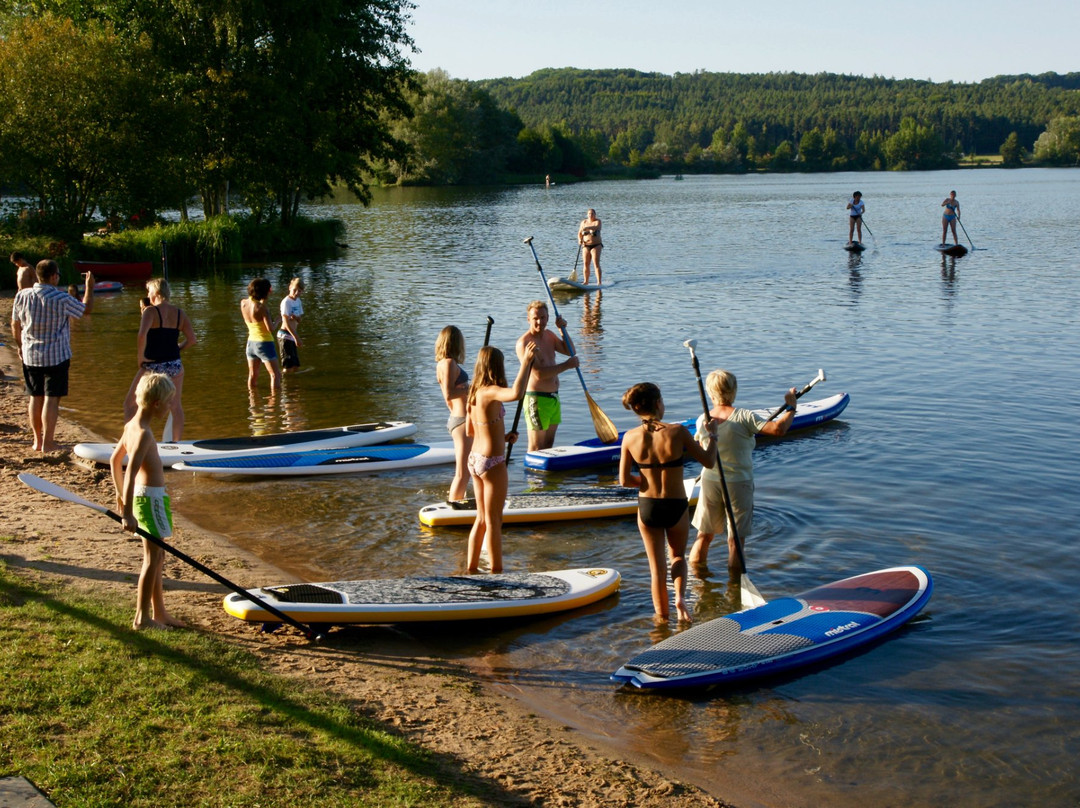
x=605 y=429
x=749 y=594
x=54 y=490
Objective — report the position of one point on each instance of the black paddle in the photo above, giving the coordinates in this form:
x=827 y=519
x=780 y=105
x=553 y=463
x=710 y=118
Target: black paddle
x=54 y=490
x=605 y=428
x=487 y=334
x=868 y=230
x=577 y=255
x=748 y=593
x=819 y=378
x=965 y=231
x=517 y=417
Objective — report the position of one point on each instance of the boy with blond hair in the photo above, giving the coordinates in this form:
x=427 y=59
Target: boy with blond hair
x=141 y=497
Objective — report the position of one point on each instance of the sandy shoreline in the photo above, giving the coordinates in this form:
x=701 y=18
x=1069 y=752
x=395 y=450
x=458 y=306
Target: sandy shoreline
x=483 y=736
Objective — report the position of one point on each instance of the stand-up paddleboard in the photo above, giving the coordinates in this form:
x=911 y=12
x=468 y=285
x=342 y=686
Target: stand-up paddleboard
x=340 y=437
x=102 y=287
x=855 y=246
x=951 y=249
x=327 y=461
x=561 y=284
x=549 y=506
x=431 y=598
x=783 y=634
x=594 y=452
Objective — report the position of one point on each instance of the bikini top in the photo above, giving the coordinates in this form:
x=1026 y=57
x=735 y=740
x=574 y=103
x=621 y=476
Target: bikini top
x=502 y=414
x=670 y=464
x=463 y=377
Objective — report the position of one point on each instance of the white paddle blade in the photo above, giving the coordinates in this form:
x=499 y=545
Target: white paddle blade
x=54 y=490
x=820 y=375
x=167 y=431
x=749 y=594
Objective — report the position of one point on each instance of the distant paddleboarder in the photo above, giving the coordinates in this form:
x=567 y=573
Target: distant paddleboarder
x=949 y=217
x=588 y=237
x=855 y=207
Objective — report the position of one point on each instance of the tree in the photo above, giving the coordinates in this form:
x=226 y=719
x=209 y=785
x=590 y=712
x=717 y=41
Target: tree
x=1060 y=143
x=915 y=146
x=1012 y=153
x=73 y=127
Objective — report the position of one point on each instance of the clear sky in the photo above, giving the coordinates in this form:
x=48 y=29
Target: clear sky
x=959 y=41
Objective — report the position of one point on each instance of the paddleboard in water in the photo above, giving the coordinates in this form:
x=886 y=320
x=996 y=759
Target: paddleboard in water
x=855 y=246
x=951 y=249
x=339 y=437
x=430 y=598
x=549 y=506
x=561 y=284
x=783 y=634
x=327 y=461
x=102 y=287
x=594 y=452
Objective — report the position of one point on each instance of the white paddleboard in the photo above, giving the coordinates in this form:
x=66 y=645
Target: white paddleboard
x=327 y=461
x=431 y=598
x=341 y=437
x=549 y=506
x=561 y=284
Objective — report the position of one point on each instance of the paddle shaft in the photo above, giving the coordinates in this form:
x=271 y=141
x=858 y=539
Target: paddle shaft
x=517 y=417
x=487 y=333
x=577 y=257
x=720 y=467
x=965 y=231
x=221 y=579
x=798 y=395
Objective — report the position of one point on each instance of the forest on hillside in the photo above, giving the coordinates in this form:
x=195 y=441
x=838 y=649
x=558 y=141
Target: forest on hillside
x=580 y=122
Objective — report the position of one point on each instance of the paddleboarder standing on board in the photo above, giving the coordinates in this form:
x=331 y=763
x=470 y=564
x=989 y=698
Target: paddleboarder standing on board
x=855 y=207
x=543 y=412
x=948 y=219
x=588 y=237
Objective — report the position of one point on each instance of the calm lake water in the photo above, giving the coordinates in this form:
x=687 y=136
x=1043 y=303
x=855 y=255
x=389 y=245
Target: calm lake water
x=958 y=452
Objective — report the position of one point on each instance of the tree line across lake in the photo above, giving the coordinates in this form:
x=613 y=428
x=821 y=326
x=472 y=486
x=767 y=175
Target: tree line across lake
x=113 y=110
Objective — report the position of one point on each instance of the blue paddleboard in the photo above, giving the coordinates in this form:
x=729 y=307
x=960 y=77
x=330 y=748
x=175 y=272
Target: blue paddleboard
x=328 y=461
x=594 y=452
x=783 y=634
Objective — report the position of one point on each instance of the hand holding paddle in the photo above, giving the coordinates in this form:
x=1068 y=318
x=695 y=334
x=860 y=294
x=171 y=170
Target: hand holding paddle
x=819 y=378
x=605 y=429
x=749 y=594
x=45 y=487
x=517 y=416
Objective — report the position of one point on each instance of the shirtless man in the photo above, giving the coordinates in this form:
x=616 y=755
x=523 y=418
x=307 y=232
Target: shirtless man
x=543 y=413
x=24 y=272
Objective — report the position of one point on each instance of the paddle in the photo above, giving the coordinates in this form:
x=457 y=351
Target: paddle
x=747 y=591
x=605 y=429
x=965 y=231
x=573 y=272
x=517 y=417
x=487 y=334
x=868 y=230
x=54 y=490
x=819 y=378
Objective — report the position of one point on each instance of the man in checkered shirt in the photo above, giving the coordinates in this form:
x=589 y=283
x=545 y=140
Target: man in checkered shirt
x=40 y=325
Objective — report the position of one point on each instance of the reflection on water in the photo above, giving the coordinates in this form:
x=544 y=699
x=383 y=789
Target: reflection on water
x=942 y=457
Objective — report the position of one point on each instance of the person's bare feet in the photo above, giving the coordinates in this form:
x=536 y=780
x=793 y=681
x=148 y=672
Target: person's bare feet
x=684 y=614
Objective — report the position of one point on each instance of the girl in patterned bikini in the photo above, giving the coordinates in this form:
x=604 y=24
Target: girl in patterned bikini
x=485 y=424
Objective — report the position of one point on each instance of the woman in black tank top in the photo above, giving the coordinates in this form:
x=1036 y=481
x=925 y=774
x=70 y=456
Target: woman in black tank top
x=158 y=347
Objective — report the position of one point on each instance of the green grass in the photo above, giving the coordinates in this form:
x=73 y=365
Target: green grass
x=96 y=714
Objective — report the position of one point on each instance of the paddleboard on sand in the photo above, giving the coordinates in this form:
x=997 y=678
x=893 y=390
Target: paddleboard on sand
x=783 y=634
x=855 y=246
x=339 y=437
x=951 y=249
x=549 y=506
x=327 y=461
x=561 y=284
x=431 y=598
x=594 y=452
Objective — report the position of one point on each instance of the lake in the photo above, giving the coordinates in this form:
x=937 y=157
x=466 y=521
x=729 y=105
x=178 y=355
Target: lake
x=958 y=452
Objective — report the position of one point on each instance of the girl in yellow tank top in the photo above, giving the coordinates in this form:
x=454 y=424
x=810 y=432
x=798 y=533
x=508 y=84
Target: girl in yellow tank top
x=261 y=348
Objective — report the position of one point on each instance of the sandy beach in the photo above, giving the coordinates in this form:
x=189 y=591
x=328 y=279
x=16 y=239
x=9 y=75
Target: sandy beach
x=485 y=735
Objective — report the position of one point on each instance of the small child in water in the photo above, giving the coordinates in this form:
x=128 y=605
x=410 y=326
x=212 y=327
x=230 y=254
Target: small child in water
x=140 y=495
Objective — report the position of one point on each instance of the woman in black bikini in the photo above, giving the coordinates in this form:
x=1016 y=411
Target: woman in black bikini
x=658 y=449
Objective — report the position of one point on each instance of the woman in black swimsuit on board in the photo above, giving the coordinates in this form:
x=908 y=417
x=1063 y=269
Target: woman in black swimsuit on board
x=657 y=449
